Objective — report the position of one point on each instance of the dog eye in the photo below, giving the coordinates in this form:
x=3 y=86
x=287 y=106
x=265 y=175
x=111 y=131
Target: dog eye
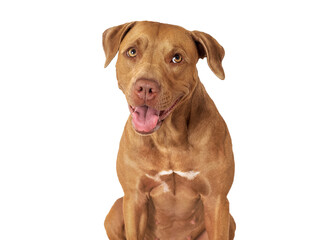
x=176 y=58
x=132 y=52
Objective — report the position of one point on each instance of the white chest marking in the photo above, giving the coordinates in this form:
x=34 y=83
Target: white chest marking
x=188 y=175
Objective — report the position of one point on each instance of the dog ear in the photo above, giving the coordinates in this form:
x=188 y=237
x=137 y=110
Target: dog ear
x=209 y=47
x=112 y=38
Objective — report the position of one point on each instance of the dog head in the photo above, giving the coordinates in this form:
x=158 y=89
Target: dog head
x=156 y=67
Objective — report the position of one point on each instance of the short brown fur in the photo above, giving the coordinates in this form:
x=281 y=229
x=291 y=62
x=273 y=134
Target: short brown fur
x=193 y=138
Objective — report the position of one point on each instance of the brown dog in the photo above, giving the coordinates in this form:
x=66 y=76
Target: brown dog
x=175 y=161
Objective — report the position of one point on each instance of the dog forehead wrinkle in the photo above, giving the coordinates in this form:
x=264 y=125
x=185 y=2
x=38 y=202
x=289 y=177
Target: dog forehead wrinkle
x=141 y=42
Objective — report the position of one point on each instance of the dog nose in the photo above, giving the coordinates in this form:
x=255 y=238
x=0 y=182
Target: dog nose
x=146 y=89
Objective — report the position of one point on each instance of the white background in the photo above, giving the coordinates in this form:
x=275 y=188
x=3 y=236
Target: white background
x=62 y=114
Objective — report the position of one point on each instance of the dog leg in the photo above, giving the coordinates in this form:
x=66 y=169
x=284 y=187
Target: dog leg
x=217 y=218
x=135 y=216
x=114 y=223
x=232 y=228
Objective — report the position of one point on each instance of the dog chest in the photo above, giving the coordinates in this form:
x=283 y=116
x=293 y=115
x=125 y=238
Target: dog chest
x=172 y=182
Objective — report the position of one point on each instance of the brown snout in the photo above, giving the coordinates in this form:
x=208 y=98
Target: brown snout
x=146 y=89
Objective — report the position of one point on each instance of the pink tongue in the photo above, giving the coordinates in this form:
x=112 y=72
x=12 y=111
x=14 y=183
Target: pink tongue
x=145 y=119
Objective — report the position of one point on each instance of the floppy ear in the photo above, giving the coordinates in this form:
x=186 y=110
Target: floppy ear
x=112 y=38
x=209 y=47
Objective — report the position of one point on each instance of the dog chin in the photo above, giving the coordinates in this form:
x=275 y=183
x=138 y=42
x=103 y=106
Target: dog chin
x=147 y=133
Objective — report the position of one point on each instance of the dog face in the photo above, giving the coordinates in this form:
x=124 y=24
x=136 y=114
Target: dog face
x=156 y=67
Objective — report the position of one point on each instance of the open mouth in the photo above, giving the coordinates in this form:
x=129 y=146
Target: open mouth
x=146 y=120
